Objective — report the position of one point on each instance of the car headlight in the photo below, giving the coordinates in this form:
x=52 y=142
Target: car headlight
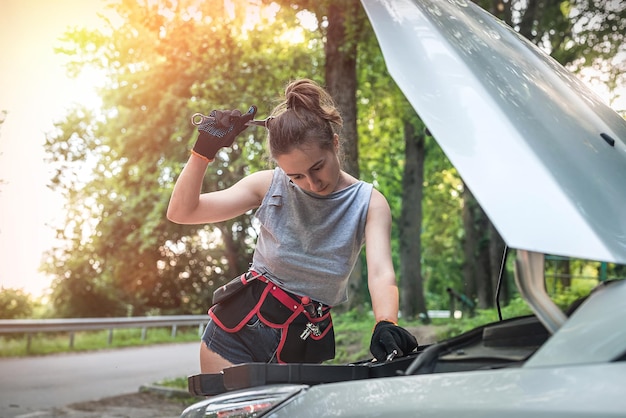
x=243 y=403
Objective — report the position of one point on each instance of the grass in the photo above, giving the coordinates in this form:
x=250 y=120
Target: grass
x=178 y=383
x=352 y=332
x=59 y=342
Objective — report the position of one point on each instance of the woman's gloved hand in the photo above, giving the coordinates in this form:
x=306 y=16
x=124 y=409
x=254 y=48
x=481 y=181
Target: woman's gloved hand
x=388 y=337
x=219 y=130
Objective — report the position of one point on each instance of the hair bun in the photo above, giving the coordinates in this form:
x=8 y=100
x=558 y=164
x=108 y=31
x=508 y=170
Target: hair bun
x=306 y=95
x=307 y=114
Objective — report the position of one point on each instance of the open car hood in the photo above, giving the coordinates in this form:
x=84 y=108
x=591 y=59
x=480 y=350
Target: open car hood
x=544 y=157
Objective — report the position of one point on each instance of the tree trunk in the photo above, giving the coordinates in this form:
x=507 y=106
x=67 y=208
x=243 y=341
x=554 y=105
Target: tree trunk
x=469 y=245
x=483 y=249
x=484 y=291
x=341 y=83
x=412 y=301
x=496 y=254
x=565 y=273
x=341 y=80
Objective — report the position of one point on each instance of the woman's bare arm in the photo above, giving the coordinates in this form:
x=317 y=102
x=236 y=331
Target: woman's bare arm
x=381 y=275
x=188 y=206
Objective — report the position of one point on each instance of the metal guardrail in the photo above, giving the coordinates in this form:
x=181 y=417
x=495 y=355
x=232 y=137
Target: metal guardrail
x=72 y=325
x=12 y=326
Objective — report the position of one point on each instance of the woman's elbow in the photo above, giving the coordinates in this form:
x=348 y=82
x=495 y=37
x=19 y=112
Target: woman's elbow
x=173 y=215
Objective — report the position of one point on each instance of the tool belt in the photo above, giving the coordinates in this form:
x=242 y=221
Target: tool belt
x=306 y=326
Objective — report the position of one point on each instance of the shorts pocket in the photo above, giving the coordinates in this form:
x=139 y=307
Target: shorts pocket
x=254 y=322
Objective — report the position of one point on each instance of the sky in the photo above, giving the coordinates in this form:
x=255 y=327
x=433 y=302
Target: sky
x=35 y=91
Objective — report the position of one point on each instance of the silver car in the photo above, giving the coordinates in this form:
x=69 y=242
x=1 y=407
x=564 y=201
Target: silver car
x=546 y=159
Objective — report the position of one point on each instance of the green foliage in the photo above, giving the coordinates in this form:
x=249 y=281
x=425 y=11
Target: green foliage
x=516 y=307
x=179 y=383
x=116 y=168
x=380 y=109
x=15 y=304
x=353 y=330
x=580 y=289
x=563 y=298
x=165 y=61
x=442 y=228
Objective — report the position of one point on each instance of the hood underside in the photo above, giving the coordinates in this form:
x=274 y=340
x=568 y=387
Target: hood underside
x=544 y=157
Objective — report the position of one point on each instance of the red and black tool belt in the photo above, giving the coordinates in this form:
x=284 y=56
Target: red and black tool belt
x=306 y=326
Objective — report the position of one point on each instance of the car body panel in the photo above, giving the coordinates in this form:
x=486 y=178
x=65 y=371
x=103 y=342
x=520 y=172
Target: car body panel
x=571 y=375
x=575 y=391
x=524 y=134
x=595 y=332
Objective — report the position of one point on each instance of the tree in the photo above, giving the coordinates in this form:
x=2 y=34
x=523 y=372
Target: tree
x=163 y=63
x=344 y=25
x=442 y=230
x=166 y=61
x=412 y=296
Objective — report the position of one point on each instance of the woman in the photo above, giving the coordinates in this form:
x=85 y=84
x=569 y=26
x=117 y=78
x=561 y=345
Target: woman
x=315 y=219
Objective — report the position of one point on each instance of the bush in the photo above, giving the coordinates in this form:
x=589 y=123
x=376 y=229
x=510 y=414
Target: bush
x=15 y=304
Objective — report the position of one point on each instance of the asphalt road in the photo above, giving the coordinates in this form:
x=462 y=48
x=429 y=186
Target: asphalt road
x=38 y=383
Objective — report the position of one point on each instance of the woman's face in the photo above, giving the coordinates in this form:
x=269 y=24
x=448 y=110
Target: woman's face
x=312 y=168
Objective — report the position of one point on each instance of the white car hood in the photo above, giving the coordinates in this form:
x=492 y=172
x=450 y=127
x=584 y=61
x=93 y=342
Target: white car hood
x=544 y=157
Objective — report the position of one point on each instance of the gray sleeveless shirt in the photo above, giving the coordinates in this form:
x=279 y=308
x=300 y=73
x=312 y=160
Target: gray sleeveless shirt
x=308 y=244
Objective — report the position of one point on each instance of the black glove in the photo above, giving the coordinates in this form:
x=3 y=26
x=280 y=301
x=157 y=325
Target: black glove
x=388 y=337
x=220 y=130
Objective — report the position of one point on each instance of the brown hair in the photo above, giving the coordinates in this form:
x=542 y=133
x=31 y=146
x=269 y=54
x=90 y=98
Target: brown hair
x=307 y=115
